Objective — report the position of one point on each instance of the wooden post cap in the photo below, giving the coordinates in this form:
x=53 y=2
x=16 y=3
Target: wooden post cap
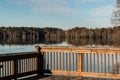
x=37 y=49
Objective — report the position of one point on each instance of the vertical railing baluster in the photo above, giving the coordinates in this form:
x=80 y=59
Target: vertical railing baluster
x=94 y=62
x=86 y=62
x=112 y=63
x=62 y=60
x=50 y=60
x=9 y=66
x=35 y=63
x=47 y=61
x=70 y=62
x=1 y=69
x=80 y=62
x=117 y=68
x=59 y=60
x=101 y=63
x=53 y=60
x=104 y=63
x=23 y=65
x=108 y=63
x=90 y=62
x=6 y=68
x=66 y=61
x=56 y=60
x=27 y=65
x=4 y=71
x=97 y=67
x=31 y=63
x=73 y=61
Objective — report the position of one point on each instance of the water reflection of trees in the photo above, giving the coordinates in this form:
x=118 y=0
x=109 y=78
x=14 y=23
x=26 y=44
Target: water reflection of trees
x=55 y=40
x=19 y=41
x=83 y=42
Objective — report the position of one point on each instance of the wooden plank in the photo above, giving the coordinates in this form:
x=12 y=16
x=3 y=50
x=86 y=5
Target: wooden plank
x=90 y=62
x=50 y=60
x=73 y=62
x=80 y=62
x=108 y=63
x=85 y=74
x=94 y=61
x=81 y=50
x=62 y=60
x=12 y=71
x=57 y=61
x=101 y=63
x=66 y=61
x=97 y=67
x=100 y=75
x=104 y=63
x=112 y=63
x=61 y=72
x=86 y=62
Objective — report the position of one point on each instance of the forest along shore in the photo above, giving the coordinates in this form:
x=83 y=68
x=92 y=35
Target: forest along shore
x=75 y=36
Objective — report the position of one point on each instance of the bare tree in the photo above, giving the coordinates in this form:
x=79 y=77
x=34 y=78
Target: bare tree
x=116 y=14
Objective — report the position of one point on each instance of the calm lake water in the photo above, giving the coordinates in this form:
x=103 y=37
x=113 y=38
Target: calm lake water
x=5 y=49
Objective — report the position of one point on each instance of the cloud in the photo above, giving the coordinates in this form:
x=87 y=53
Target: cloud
x=53 y=6
x=48 y=6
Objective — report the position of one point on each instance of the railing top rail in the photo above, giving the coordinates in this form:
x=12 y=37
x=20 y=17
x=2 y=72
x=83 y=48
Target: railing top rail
x=16 y=54
x=79 y=49
x=22 y=55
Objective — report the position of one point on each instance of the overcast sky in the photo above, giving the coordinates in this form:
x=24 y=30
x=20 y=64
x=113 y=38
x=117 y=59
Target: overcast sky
x=63 y=14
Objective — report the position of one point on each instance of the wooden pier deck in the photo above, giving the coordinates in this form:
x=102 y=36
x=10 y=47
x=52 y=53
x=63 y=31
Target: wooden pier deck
x=72 y=61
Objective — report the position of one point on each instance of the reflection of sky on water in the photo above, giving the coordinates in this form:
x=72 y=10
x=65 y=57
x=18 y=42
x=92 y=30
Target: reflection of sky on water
x=15 y=48
x=25 y=48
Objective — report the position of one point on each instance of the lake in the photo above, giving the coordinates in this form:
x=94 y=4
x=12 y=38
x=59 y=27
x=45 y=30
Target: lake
x=14 y=48
x=5 y=49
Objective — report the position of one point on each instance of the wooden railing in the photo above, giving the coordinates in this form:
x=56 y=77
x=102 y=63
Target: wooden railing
x=13 y=66
x=86 y=62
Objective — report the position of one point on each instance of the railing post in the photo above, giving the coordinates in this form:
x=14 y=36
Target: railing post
x=37 y=49
x=15 y=68
x=80 y=62
x=39 y=61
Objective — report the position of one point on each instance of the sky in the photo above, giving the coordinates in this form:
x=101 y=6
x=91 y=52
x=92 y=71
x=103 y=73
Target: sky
x=64 y=14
